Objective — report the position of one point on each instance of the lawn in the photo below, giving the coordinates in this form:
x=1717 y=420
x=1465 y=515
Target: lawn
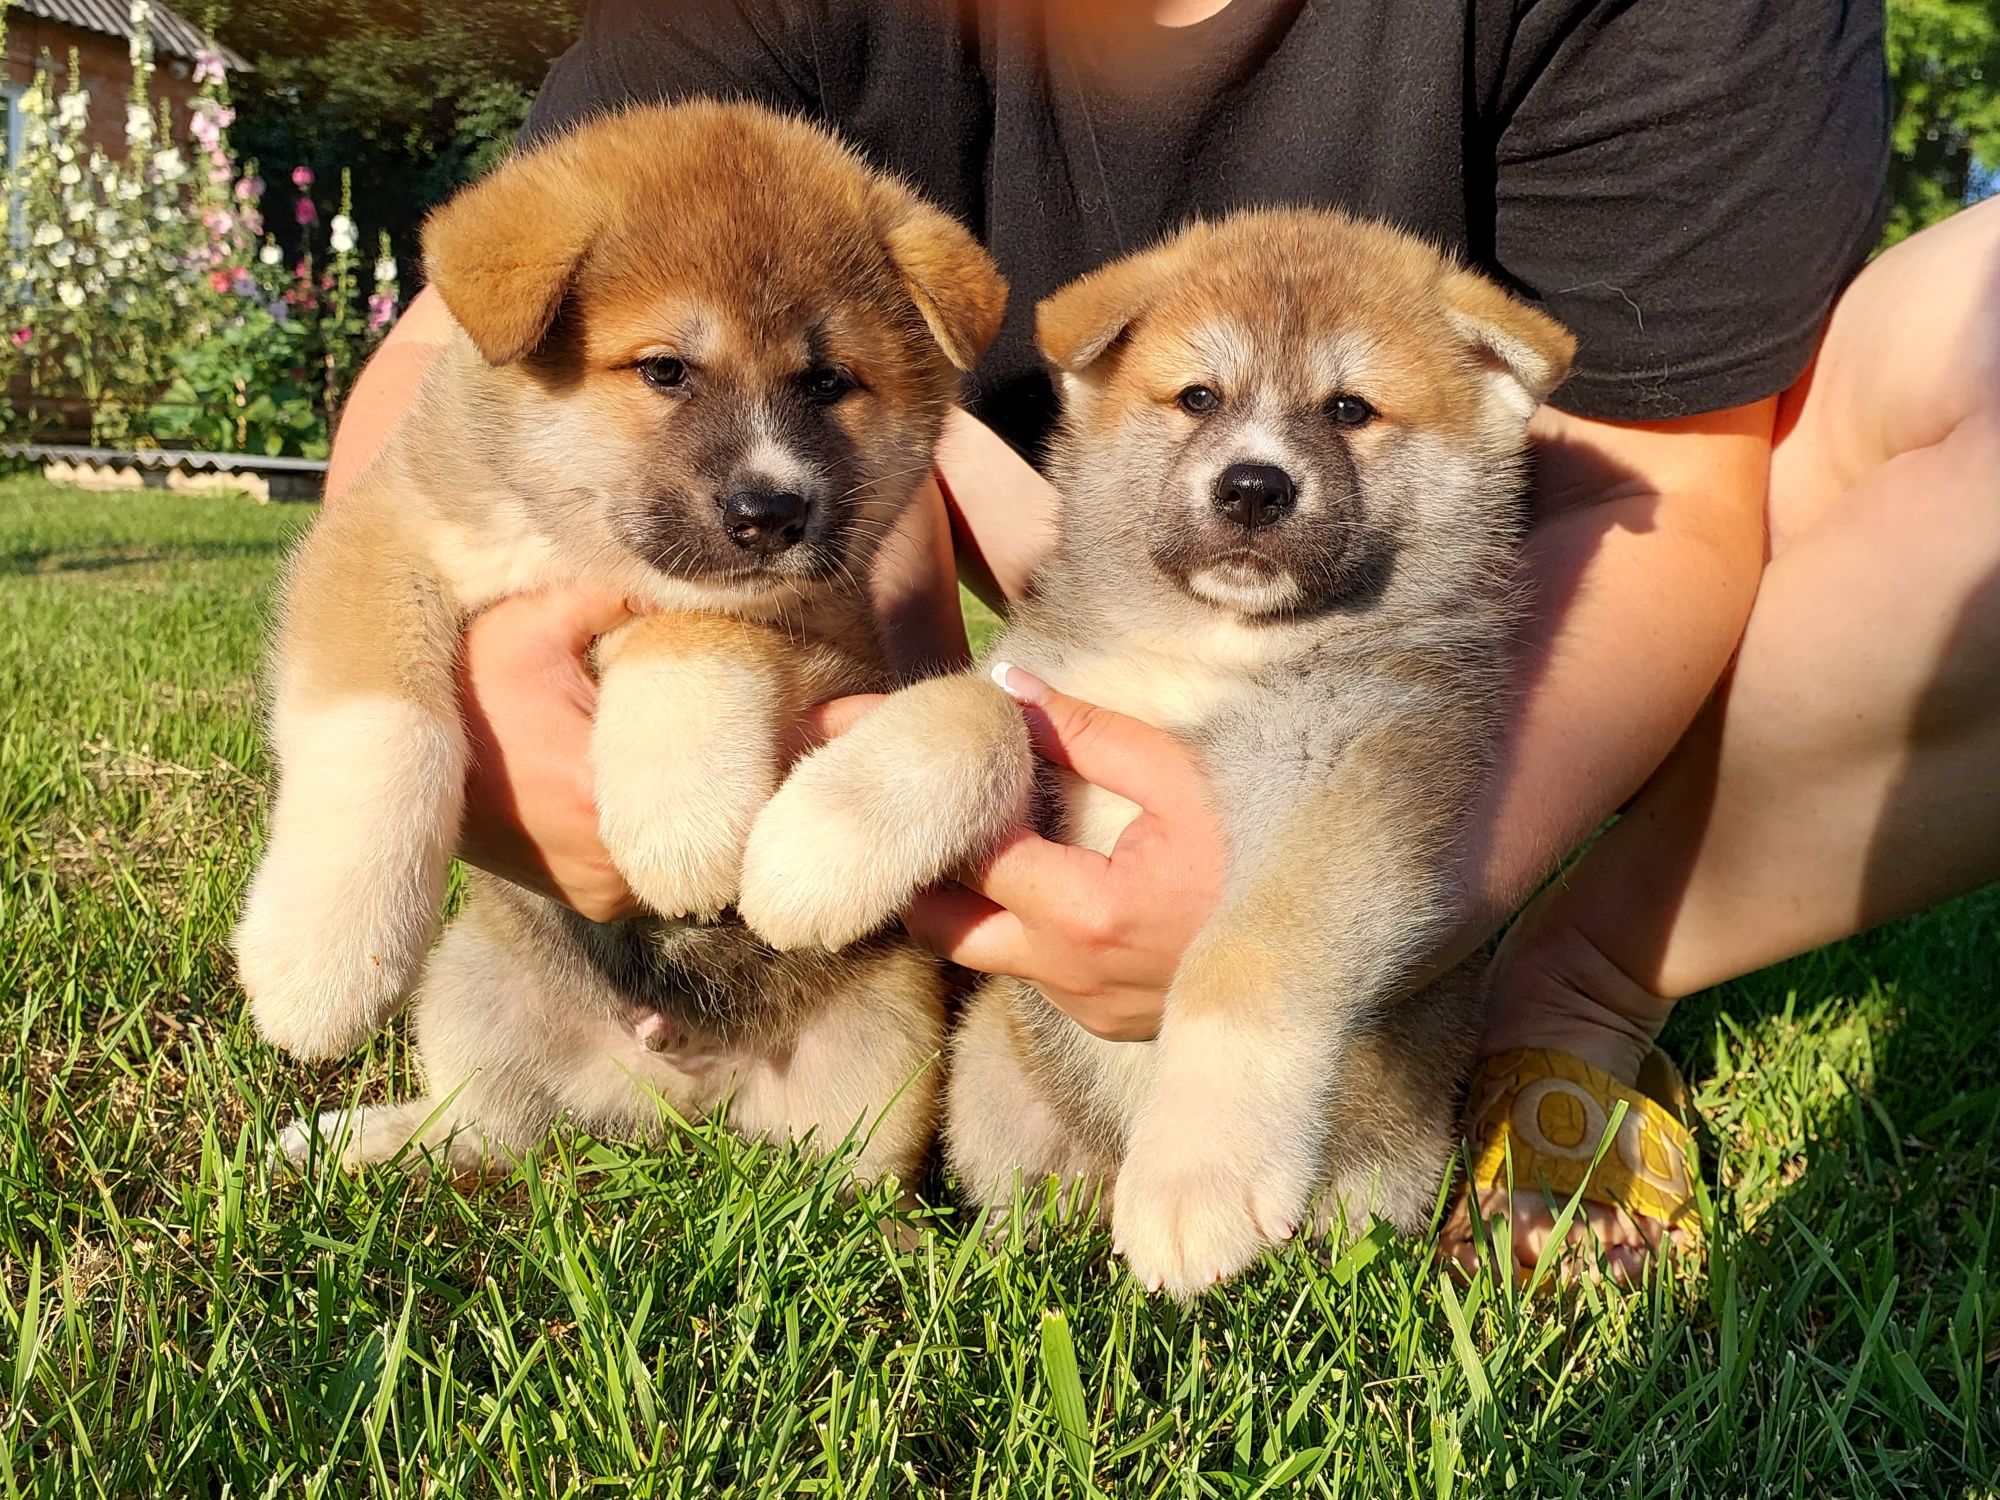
x=709 y=1318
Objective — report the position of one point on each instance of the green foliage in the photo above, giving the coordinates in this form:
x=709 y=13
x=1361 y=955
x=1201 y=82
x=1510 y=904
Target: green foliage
x=147 y=304
x=1944 y=72
x=417 y=98
x=711 y=1317
x=250 y=387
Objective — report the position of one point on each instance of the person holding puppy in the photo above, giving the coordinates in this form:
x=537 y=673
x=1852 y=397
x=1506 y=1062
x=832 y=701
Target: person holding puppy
x=1766 y=543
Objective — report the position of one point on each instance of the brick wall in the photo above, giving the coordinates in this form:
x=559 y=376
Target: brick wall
x=107 y=73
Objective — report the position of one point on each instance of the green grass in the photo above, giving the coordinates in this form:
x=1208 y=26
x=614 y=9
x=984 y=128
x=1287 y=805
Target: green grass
x=709 y=1318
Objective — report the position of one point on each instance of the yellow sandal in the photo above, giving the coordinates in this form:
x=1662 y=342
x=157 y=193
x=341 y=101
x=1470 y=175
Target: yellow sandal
x=1548 y=1110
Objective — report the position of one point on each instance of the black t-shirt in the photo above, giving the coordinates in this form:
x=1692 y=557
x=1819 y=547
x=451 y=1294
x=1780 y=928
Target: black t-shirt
x=1687 y=184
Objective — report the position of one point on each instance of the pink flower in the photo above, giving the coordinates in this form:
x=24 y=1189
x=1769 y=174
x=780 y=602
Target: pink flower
x=220 y=281
x=302 y=270
x=302 y=177
x=218 y=222
x=305 y=212
x=23 y=336
x=249 y=189
x=207 y=66
x=381 y=310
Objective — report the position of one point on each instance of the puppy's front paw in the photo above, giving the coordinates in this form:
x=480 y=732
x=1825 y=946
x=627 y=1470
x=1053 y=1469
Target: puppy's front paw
x=684 y=752
x=820 y=869
x=679 y=847
x=933 y=778
x=326 y=969
x=1194 y=1208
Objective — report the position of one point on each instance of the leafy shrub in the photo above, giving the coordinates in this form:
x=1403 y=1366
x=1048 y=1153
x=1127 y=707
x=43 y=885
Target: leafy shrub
x=148 y=302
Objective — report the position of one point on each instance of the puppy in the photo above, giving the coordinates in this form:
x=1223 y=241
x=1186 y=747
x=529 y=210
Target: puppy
x=1291 y=463
x=701 y=359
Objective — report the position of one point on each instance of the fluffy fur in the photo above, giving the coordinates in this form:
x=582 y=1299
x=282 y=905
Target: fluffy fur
x=663 y=318
x=1338 y=667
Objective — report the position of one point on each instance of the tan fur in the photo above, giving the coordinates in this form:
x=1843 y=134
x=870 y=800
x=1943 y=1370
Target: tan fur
x=762 y=256
x=1339 y=673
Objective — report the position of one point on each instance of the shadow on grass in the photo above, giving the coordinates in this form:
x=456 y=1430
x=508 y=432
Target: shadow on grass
x=1853 y=1117
x=56 y=560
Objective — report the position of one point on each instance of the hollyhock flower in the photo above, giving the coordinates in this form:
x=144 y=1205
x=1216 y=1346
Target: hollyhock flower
x=208 y=66
x=249 y=189
x=46 y=235
x=305 y=212
x=138 y=126
x=23 y=336
x=242 y=285
x=302 y=177
x=73 y=110
x=220 y=281
x=381 y=310
x=340 y=234
x=69 y=294
x=385 y=268
x=218 y=222
x=271 y=255
x=169 y=165
x=210 y=120
x=70 y=174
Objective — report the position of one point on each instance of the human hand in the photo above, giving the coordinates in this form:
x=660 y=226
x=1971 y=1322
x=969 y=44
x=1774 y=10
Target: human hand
x=1100 y=935
x=527 y=698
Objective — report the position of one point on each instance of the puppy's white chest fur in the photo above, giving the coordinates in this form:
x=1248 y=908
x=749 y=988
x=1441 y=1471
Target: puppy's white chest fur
x=492 y=561
x=1173 y=687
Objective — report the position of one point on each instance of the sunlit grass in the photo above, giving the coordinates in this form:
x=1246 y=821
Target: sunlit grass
x=712 y=1318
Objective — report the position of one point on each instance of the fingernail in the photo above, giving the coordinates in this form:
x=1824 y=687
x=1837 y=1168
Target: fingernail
x=1023 y=687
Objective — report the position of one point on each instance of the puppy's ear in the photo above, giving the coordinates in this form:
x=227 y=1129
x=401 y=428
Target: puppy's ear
x=1075 y=324
x=504 y=252
x=1526 y=351
x=947 y=273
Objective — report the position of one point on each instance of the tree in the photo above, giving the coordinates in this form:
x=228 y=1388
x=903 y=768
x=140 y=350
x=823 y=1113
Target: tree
x=1944 y=65
x=415 y=96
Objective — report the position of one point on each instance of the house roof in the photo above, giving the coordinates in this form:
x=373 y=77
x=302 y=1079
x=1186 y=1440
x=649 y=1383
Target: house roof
x=173 y=34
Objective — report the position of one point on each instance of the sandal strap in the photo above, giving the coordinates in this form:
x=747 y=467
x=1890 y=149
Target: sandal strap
x=1549 y=1109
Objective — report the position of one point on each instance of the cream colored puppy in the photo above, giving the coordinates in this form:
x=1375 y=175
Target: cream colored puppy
x=702 y=356
x=1291 y=470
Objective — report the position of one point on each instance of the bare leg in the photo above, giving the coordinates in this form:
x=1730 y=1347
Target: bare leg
x=1846 y=772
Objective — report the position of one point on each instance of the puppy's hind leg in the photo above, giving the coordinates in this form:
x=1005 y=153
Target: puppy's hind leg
x=377 y=1133
x=923 y=786
x=371 y=781
x=1003 y=1139
x=864 y=1065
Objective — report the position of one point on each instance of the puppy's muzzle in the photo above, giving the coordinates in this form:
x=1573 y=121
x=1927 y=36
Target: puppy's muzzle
x=1255 y=495
x=765 y=522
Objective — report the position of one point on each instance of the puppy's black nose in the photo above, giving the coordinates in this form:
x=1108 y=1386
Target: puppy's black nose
x=764 y=521
x=1255 y=495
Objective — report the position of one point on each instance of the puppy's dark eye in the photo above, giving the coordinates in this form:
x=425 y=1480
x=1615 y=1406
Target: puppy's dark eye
x=1349 y=411
x=664 y=373
x=826 y=384
x=1198 y=401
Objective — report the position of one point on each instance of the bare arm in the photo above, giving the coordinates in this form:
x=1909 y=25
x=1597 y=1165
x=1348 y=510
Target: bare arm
x=386 y=388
